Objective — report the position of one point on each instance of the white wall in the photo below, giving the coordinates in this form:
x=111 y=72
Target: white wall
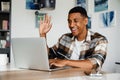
x=23 y=25
x=23 y=21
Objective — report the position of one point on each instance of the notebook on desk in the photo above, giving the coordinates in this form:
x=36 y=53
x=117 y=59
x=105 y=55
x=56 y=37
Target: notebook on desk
x=31 y=53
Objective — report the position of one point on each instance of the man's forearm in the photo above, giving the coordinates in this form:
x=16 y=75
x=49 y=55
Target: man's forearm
x=44 y=36
x=83 y=64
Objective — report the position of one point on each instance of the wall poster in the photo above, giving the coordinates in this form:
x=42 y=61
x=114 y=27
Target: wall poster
x=100 y=5
x=107 y=19
x=40 y=4
x=38 y=17
x=81 y=3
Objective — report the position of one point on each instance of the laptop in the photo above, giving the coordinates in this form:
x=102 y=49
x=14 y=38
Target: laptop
x=31 y=53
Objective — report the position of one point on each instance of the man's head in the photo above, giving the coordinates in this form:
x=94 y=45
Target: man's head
x=77 y=21
x=80 y=10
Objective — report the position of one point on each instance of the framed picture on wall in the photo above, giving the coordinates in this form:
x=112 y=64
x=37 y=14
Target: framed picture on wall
x=81 y=3
x=38 y=17
x=40 y=4
x=100 y=5
x=107 y=19
x=89 y=22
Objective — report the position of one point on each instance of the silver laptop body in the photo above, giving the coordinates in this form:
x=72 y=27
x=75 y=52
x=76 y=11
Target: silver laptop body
x=30 y=53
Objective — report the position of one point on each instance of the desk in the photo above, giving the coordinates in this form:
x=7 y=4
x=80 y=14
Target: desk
x=38 y=75
x=67 y=74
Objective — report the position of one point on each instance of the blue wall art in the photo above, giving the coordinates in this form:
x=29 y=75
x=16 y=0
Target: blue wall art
x=81 y=3
x=100 y=5
x=89 y=22
x=40 y=4
x=38 y=17
x=108 y=19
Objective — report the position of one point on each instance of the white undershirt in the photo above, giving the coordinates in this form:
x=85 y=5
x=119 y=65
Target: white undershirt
x=76 y=50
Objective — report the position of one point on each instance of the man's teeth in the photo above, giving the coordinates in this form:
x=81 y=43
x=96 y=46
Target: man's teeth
x=73 y=29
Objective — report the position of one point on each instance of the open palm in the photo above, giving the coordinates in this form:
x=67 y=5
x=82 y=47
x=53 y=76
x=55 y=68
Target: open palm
x=45 y=26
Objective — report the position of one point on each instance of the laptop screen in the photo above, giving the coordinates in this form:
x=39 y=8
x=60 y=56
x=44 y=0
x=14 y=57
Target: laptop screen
x=30 y=53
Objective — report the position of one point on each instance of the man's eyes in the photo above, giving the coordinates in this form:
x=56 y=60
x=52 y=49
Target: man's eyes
x=73 y=21
x=76 y=20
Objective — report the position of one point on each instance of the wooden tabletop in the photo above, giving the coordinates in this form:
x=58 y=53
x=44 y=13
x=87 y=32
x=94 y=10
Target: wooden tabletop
x=39 y=75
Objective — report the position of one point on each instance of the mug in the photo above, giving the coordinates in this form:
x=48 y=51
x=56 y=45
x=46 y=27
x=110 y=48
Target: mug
x=3 y=59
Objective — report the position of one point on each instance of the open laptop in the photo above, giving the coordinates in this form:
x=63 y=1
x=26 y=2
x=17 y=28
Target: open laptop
x=31 y=53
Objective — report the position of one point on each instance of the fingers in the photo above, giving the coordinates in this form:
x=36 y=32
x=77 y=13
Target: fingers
x=47 y=19
x=45 y=25
x=41 y=22
x=56 y=62
x=51 y=60
x=50 y=25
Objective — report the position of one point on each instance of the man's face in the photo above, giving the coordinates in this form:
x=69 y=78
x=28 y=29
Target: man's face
x=77 y=23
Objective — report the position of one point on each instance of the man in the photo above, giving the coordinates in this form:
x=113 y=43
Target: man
x=80 y=48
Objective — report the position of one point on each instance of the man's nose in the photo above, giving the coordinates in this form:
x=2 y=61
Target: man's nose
x=72 y=24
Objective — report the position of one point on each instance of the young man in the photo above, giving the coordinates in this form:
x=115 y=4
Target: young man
x=80 y=48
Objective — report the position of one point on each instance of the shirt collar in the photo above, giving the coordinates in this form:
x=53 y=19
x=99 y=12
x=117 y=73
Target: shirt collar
x=88 y=37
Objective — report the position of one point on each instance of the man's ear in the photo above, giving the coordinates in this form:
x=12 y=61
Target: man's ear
x=86 y=21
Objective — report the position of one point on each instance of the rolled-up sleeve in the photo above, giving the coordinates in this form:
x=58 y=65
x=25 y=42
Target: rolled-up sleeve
x=100 y=53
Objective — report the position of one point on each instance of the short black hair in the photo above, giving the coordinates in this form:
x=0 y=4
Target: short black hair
x=80 y=10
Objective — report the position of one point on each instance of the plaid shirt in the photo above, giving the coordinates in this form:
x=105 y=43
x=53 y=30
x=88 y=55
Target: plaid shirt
x=94 y=48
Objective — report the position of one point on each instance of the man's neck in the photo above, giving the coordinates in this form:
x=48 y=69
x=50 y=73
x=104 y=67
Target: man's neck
x=83 y=35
